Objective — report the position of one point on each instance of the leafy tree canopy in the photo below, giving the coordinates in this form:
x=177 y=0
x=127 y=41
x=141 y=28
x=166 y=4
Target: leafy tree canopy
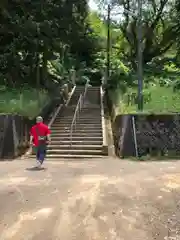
x=159 y=26
x=34 y=32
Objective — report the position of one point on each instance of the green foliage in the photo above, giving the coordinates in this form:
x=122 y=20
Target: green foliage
x=158 y=98
x=171 y=67
x=160 y=28
x=33 y=33
x=98 y=27
x=161 y=54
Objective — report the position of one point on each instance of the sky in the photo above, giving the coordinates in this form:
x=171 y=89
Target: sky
x=93 y=5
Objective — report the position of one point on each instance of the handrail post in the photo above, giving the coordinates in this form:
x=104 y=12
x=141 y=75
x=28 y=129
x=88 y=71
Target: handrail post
x=80 y=102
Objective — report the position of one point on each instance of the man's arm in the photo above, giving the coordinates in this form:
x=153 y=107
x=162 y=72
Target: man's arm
x=49 y=138
x=31 y=140
x=31 y=137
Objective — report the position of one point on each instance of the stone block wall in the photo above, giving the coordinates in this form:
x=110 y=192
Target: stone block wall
x=155 y=135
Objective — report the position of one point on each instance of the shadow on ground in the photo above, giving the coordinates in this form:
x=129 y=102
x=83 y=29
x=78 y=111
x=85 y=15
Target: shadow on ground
x=36 y=169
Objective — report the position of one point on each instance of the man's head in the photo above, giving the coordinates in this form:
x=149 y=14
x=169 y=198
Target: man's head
x=39 y=119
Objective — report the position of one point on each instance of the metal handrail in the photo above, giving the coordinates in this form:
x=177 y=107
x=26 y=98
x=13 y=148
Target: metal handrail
x=78 y=108
x=76 y=114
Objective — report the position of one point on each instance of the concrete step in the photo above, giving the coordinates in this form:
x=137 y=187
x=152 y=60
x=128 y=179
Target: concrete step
x=72 y=109
x=90 y=117
x=73 y=151
x=75 y=130
x=76 y=138
x=87 y=107
x=81 y=114
x=77 y=134
x=57 y=157
x=68 y=127
x=85 y=110
x=78 y=119
x=88 y=113
x=62 y=122
x=82 y=125
x=93 y=91
x=84 y=142
x=84 y=107
x=53 y=147
x=53 y=153
x=77 y=122
x=92 y=113
x=81 y=117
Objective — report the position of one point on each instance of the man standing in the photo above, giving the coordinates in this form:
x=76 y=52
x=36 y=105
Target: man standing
x=39 y=139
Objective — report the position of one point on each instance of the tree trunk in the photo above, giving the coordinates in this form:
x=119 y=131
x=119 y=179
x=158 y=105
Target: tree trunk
x=44 y=68
x=37 y=78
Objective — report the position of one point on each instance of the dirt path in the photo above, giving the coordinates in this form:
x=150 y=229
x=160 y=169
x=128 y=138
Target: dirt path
x=93 y=200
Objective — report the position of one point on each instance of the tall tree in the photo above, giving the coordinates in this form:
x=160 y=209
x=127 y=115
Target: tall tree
x=158 y=25
x=178 y=22
x=33 y=31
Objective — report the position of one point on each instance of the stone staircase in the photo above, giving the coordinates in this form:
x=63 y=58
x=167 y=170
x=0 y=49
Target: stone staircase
x=87 y=139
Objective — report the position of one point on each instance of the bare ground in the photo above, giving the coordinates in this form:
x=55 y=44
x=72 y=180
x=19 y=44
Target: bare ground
x=90 y=200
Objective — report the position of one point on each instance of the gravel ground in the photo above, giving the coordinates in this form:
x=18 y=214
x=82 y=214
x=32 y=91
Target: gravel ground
x=90 y=200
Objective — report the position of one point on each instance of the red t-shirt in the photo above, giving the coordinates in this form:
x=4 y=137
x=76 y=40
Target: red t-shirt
x=43 y=130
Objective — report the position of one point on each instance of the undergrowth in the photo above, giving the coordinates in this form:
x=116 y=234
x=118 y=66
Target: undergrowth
x=26 y=101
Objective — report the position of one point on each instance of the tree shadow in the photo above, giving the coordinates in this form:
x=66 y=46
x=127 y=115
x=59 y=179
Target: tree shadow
x=36 y=169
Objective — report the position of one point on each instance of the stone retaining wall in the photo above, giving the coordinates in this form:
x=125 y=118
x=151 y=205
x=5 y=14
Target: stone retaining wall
x=155 y=134
x=14 y=137
x=158 y=134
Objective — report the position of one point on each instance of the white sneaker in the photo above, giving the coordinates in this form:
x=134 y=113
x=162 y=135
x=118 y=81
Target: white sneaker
x=38 y=164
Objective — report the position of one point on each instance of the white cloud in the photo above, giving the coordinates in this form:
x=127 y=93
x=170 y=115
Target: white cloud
x=116 y=14
x=93 y=5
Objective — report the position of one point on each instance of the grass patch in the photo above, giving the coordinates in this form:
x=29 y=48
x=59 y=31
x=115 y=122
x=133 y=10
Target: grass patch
x=24 y=103
x=158 y=99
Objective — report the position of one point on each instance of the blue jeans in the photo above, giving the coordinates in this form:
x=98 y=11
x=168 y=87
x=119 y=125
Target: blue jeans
x=41 y=153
